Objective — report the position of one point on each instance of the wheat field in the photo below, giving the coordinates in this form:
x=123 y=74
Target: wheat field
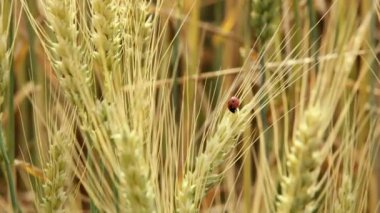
x=190 y=106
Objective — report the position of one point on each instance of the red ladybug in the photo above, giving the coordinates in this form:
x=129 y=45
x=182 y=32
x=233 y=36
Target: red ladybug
x=233 y=104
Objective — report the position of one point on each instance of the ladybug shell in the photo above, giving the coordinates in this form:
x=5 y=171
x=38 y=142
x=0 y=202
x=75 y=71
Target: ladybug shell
x=233 y=104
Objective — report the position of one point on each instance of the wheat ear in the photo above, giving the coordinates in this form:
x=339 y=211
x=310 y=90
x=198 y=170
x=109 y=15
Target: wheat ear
x=57 y=172
x=196 y=182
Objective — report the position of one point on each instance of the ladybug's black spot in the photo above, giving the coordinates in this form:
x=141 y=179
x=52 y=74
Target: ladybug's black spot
x=233 y=110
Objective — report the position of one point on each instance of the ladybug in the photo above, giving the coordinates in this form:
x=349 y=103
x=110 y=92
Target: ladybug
x=233 y=104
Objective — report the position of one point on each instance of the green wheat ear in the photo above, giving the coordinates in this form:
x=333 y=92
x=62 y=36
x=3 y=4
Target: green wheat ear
x=57 y=173
x=298 y=186
x=4 y=62
x=197 y=182
x=263 y=15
